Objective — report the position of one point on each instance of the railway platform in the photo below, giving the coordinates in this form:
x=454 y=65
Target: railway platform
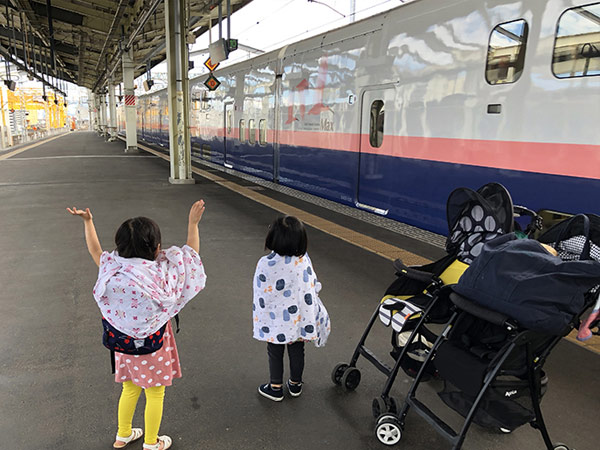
x=56 y=389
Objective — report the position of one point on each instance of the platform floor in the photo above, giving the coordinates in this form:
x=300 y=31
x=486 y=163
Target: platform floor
x=56 y=390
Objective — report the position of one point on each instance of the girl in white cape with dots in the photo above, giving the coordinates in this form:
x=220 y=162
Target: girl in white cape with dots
x=287 y=310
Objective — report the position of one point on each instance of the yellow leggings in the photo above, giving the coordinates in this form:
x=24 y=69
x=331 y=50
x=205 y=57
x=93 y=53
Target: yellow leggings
x=155 y=397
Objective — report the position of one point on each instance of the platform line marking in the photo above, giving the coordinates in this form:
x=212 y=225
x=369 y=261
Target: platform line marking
x=360 y=240
x=21 y=150
x=386 y=250
x=80 y=156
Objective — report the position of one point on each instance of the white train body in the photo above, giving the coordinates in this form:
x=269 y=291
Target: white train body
x=393 y=112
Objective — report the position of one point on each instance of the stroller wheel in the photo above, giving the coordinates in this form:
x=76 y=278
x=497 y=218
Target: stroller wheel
x=351 y=378
x=338 y=372
x=378 y=407
x=386 y=416
x=560 y=447
x=382 y=406
x=388 y=431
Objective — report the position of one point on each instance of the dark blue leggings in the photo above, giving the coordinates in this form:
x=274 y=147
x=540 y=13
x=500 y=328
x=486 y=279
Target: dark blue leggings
x=296 y=354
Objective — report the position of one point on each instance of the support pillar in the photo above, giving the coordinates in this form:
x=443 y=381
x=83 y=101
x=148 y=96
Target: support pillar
x=95 y=125
x=129 y=102
x=5 y=129
x=91 y=110
x=48 y=111
x=103 y=114
x=112 y=128
x=178 y=88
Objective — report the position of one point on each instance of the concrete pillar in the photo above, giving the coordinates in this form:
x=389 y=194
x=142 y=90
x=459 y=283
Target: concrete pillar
x=112 y=130
x=129 y=102
x=95 y=119
x=91 y=110
x=178 y=88
x=103 y=114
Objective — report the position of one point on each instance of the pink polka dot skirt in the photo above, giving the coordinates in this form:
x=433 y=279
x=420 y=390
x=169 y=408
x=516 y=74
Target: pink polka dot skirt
x=155 y=369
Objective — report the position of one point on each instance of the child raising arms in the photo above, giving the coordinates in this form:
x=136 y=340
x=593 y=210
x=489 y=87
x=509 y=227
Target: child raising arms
x=286 y=308
x=140 y=288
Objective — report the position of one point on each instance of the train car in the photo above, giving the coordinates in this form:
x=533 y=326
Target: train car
x=391 y=113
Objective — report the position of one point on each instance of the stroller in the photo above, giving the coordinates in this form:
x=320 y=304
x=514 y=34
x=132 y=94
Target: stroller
x=474 y=217
x=509 y=310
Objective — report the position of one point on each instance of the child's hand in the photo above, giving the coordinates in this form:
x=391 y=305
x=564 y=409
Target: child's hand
x=196 y=212
x=85 y=215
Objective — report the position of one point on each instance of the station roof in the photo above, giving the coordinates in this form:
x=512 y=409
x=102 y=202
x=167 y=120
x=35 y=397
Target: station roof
x=88 y=34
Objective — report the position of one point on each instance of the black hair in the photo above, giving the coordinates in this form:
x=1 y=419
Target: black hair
x=287 y=237
x=138 y=238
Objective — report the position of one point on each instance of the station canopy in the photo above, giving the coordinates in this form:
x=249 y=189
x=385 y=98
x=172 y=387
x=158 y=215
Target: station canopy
x=88 y=36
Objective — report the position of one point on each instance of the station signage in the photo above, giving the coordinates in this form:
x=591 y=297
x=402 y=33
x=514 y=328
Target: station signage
x=210 y=65
x=212 y=83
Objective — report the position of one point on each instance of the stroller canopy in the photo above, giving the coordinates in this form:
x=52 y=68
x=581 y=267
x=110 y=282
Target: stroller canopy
x=476 y=217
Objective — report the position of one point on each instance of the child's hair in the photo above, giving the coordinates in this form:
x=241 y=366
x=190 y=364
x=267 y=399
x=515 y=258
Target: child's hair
x=287 y=237
x=138 y=238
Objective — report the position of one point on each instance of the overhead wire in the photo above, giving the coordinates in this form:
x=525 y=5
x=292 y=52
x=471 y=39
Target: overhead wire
x=279 y=44
x=266 y=18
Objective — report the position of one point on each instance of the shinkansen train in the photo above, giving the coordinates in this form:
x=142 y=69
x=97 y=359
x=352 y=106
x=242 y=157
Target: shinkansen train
x=391 y=113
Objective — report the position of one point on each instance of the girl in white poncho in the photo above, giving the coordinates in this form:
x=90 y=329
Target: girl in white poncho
x=139 y=288
x=287 y=310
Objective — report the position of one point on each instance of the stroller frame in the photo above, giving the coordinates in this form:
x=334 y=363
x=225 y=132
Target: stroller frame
x=348 y=375
x=391 y=425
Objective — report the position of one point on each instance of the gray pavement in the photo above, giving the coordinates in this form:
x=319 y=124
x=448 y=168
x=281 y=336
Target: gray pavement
x=56 y=390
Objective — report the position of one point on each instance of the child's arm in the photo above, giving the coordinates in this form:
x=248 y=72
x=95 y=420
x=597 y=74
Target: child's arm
x=193 y=237
x=91 y=238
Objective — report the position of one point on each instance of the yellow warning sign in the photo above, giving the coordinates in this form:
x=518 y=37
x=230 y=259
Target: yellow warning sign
x=208 y=63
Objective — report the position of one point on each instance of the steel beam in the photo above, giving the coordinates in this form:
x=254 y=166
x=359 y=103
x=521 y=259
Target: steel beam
x=113 y=28
x=145 y=16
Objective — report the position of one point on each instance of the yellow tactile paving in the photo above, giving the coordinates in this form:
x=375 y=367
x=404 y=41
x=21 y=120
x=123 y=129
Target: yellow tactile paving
x=28 y=147
x=360 y=240
x=592 y=344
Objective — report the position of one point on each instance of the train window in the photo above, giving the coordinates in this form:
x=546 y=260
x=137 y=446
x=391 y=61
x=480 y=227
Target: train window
x=251 y=132
x=242 y=131
x=262 y=132
x=229 y=120
x=577 y=43
x=376 y=126
x=506 y=52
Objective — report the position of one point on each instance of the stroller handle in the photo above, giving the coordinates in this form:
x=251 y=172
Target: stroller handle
x=483 y=313
x=415 y=274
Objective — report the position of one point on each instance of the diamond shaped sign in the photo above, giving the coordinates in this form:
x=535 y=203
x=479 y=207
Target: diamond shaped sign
x=212 y=83
x=210 y=65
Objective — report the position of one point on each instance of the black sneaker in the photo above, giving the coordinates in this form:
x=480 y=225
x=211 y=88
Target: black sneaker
x=294 y=388
x=272 y=394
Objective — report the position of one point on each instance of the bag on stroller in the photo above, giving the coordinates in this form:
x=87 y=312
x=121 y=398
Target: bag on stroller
x=491 y=356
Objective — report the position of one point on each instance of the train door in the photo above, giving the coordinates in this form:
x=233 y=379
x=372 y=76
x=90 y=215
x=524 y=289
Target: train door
x=374 y=176
x=227 y=132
